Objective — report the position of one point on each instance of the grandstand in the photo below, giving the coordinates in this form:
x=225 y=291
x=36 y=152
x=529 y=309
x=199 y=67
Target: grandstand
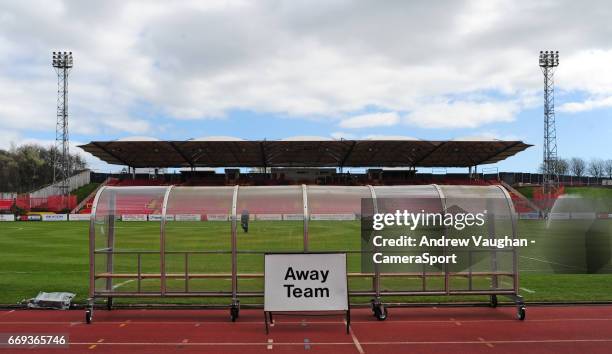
x=290 y=162
x=311 y=162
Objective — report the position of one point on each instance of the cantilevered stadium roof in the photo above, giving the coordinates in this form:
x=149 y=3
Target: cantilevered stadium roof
x=303 y=153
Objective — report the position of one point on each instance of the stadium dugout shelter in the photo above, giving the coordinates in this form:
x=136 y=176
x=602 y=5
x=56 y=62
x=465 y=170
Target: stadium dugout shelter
x=198 y=246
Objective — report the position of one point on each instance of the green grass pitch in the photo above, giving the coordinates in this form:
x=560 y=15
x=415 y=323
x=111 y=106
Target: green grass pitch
x=53 y=256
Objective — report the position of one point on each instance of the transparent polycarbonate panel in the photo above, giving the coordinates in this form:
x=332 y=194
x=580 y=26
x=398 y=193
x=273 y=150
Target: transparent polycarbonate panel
x=275 y=220
x=121 y=231
x=417 y=191
x=411 y=199
x=334 y=224
x=498 y=214
x=336 y=200
x=270 y=219
x=198 y=219
x=198 y=238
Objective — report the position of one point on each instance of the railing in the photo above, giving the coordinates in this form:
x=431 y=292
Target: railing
x=468 y=274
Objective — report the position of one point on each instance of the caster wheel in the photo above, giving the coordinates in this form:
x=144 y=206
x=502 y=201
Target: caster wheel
x=234 y=313
x=493 y=301
x=380 y=312
x=88 y=316
x=520 y=314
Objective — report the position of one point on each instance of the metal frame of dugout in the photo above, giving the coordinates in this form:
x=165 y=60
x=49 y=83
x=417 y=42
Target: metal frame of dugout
x=163 y=270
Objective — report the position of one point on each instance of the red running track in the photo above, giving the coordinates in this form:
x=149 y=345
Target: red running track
x=559 y=329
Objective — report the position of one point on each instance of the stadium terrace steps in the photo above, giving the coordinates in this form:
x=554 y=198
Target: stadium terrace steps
x=88 y=201
x=521 y=203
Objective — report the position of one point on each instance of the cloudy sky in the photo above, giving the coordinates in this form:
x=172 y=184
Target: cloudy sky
x=276 y=69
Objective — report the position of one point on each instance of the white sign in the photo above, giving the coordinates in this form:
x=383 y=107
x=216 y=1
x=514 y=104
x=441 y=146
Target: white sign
x=217 y=217
x=187 y=217
x=134 y=217
x=79 y=217
x=269 y=217
x=293 y=217
x=338 y=217
x=7 y=217
x=158 y=217
x=583 y=215
x=54 y=217
x=559 y=216
x=154 y=217
x=305 y=282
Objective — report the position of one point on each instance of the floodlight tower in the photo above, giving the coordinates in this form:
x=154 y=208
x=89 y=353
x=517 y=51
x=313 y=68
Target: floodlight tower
x=549 y=60
x=62 y=62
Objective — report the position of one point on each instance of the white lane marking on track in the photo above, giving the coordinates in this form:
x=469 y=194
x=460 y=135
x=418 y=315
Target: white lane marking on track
x=485 y=342
x=355 y=340
x=595 y=340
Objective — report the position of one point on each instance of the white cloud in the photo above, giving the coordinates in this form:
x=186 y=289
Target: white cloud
x=586 y=70
x=371 y=120
x=305 y=59
x=490 y=135
x=587 y=105
x=462 y=114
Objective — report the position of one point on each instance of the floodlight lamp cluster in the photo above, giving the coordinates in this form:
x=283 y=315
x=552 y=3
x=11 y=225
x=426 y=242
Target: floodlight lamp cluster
x=62 y=60
x=549 y=59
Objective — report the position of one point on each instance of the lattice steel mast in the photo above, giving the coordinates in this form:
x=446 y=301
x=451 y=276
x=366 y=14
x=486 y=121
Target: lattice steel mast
x=62 y=62
x=549 y=60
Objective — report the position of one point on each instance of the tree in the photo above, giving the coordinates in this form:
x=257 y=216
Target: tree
x=608 y=168
x=577 y=166
x=561 y=167
x=596 y=168
x=29 y=167
x=9 y=179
